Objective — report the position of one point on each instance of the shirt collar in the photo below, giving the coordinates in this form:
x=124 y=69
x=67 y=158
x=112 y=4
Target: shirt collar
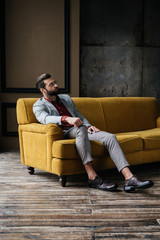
x=57 y=100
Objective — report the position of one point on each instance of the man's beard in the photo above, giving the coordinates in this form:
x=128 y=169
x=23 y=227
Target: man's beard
x=53 y=93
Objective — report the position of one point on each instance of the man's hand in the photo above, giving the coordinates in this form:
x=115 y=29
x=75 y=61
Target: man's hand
x=74 y=121
x=93 y=129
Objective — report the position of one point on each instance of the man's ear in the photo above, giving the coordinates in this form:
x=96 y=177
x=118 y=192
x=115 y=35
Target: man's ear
x=42 y=90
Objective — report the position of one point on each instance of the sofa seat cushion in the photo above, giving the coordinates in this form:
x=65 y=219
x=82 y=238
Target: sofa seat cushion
x=130 y=143
x=151 y=138
x=66 y=148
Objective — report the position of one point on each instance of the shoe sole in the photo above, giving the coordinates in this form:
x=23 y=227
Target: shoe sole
x=105 y=189
x=132 y=188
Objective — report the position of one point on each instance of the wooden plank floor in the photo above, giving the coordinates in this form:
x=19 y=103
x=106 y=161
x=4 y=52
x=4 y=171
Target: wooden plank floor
x=36 y=207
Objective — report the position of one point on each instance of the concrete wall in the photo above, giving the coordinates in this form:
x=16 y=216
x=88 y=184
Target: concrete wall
x=120 y=48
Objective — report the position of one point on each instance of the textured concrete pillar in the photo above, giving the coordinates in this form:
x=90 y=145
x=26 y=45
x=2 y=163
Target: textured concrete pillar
x=120 y=48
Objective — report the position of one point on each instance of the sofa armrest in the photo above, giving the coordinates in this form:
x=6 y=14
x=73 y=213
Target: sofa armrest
x=158 y=122
x=49 y=129
x=36 y=142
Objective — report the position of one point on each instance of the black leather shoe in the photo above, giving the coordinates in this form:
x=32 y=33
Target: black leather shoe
x=98 y=183
x=133 y=183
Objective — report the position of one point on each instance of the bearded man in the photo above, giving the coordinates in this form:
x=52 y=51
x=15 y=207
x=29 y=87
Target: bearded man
x=59 y=109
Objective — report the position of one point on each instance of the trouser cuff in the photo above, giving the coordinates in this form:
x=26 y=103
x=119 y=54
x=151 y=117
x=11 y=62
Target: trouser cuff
x=87 y=161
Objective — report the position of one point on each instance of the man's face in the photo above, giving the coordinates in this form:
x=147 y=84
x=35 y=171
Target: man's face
x=51 y=87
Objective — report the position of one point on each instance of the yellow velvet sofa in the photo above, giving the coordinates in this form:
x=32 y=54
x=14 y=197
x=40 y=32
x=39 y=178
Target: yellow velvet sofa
x=134 y=120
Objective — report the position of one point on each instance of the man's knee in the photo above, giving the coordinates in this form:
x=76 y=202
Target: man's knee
x=82 y=130
x=112 y=136
x=110 y=139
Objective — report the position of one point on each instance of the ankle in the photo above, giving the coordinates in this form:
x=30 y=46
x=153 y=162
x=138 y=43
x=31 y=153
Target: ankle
x=126 y=173
x=90 y=171
x=127 y=177
x=92 y=176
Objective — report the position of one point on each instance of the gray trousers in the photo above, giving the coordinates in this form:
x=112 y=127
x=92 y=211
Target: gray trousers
x=107 y=139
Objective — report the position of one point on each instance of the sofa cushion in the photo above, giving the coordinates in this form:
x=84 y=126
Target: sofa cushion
x=126 y=114
x=130 y=143
x=91 y=109
x=151 y=138
x=66 y=148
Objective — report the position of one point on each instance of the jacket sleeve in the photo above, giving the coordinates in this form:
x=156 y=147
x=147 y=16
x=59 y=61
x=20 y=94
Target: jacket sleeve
x=43 y=116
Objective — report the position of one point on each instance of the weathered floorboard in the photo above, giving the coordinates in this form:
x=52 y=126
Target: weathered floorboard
x=37 y=207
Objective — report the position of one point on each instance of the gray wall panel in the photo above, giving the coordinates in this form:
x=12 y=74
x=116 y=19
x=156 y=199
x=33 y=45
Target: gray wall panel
x=120 y=48
x=111 y=71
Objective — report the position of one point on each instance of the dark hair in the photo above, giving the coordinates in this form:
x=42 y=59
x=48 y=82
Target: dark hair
x=40 y=83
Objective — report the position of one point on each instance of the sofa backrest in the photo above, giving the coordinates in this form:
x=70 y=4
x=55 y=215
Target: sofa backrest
x=113 y=114
x=125 y=114
x=25 y=113
x=91 y=109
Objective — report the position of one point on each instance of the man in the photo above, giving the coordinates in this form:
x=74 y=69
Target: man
x=59 y=109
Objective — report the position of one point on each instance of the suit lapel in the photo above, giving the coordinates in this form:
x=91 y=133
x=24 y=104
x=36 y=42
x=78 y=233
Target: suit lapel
x=64 y=101
x=50 y=105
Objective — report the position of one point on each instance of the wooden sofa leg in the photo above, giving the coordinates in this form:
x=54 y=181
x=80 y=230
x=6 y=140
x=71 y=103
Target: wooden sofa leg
x=62 y=180
x=30 y=170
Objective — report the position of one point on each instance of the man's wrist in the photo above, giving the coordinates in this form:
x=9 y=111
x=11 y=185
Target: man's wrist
x=63 y=119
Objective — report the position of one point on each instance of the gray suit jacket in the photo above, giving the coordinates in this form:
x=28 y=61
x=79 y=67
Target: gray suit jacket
x=45 y=111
